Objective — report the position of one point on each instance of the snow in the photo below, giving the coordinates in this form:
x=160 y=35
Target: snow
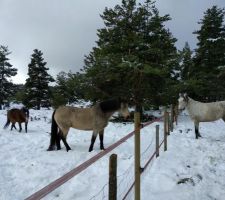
x=201 y=160
x=26 y=166
x=214 y=39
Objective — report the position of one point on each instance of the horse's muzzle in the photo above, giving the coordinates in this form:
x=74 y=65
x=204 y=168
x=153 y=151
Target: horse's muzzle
x=181 y=109
x=127 y=116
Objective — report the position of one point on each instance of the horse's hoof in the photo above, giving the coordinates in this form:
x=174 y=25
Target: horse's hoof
x=90 y=150
x=102 y=148
x=50 y=148
x=68 y=149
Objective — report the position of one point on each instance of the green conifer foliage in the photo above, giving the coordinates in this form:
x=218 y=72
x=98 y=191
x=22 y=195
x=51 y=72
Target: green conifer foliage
x=6 y=72
x=37 y=84
x=209 y=61
x=135 y=54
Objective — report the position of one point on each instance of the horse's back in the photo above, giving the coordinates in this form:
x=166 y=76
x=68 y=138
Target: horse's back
x=79 y=118
x=206 y=112
x=16 y=115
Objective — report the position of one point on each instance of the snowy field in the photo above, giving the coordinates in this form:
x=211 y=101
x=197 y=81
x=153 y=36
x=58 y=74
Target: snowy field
x=26 y=166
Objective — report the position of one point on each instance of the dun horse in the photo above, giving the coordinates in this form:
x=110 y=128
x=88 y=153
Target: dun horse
x=17 y=115
x=94 y=118
x=202 y=112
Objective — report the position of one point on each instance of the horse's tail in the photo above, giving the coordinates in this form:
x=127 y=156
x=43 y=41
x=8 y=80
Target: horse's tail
x=54 y=130
x=7 y=123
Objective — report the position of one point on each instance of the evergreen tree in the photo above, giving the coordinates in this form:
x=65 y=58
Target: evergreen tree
x=69 y=88
x=209 y=61
x=19 y=93
x=135 y=55
x=6 y=72
x=59 y=93
x=36 y=88
x=186 y=62
x=184 y=73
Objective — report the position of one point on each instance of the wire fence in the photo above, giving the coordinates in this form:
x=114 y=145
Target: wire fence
x=125 y=180
x=102 y=193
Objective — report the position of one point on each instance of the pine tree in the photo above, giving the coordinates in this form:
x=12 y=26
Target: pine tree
x=209 y=61
x=6 y=72
x=135 y=54
x=186 y=62
x=37 y=84
x=68 y=88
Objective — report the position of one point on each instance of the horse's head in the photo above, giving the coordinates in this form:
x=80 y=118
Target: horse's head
x=113 y=105
x=26 y=113
x=124 y=109
x=182 y=101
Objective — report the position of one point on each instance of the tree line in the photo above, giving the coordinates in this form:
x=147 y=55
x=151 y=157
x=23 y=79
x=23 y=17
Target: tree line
x=135 y=58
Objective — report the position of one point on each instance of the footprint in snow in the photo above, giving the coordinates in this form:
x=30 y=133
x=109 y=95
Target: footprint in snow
x=191 y=180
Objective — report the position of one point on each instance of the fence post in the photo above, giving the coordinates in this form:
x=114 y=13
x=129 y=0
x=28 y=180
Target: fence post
x=157 y=141
x=165 y=131
x=176 y=113
x=172 y=117
x=137 y=156
x=168 y=123
x=113 y=177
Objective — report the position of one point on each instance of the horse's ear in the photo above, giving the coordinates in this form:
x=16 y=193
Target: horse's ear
x=122 y=100
x=185 y=97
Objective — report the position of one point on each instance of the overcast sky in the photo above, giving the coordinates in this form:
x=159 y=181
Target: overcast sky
x=65 y=30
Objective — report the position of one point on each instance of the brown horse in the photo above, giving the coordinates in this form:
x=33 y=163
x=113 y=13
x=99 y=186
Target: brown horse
x=17 y=115
x=94 y=118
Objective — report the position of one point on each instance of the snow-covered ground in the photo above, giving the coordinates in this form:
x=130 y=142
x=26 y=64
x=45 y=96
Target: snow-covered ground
x=201 y=162
x=26 y=166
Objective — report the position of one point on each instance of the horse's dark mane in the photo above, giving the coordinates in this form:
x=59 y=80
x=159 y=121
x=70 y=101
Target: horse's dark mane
x=110 y=105
x=25 y=111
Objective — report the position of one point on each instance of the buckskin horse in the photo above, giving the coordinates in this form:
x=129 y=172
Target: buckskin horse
x=94 y=118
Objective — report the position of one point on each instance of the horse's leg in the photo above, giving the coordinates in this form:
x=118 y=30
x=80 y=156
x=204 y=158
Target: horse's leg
x=63 y=134
x=58 y=138
x=101 y=137
x=20 y=127
x=14 y=125
x=223 y=118
x=197 y=134
x=94 y=135
x=26 y=126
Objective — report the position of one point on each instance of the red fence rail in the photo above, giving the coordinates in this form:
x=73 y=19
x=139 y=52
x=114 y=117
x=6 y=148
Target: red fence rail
x=60 y=181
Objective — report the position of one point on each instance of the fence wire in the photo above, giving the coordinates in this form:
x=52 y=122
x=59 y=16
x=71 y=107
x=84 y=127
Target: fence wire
x=102 y=193
x=125 y=181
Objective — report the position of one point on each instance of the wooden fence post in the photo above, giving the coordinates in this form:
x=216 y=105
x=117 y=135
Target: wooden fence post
x=168 y=123
x=165 y=131
x=113 y=177
x=157 y=141
x=176 y=113
x=172 y=117
x=137 y=156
